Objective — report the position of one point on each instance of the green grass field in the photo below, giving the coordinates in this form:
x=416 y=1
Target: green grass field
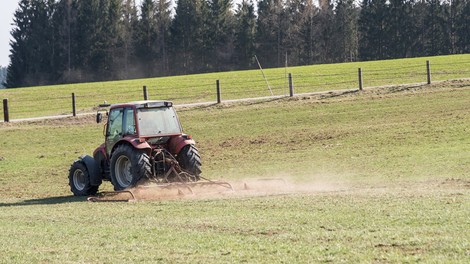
x=36 y=102
x=388 y=172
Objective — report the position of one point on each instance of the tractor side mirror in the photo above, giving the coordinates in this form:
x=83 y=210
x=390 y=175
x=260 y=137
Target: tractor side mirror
x=99 y=117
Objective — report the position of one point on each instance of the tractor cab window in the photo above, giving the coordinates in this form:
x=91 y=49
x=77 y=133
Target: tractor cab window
x=115 y=123
x=121 y=123
x=156 y=121
x=129 y=122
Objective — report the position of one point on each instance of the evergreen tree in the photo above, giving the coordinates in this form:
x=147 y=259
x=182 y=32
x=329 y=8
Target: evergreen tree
x=245 y=31
x=462 y=27
x=293 y=19
x=418 y=38
x=187 y=42
x=18 y=69
x=308 y=31
x=147 y=36
x=128 y=43
x=41 y=43
x=372 y=30
x=97 y=35
x=400 y=29
x=269 y=33
x=345 y=31
x=325 y=32
x=108 y=37
x=31 y=47
x=163 y=15
x=437 y=35
x=88 y=51
x=455 y=9
x=218 y=34
x=63 y=21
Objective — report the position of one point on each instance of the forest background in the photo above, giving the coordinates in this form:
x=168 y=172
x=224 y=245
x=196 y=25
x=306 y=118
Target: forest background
x=70 y=41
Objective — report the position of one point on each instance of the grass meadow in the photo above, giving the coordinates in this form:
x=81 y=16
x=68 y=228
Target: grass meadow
x=35 y=102
x=384 y=175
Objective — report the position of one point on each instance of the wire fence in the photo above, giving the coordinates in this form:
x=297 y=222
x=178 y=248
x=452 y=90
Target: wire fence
x=217 y=87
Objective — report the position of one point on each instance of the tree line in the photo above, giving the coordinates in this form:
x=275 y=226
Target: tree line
x=70 y=41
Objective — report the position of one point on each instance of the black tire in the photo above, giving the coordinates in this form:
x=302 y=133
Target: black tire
x=79 y=180
x=128 y=166
x=189 y=160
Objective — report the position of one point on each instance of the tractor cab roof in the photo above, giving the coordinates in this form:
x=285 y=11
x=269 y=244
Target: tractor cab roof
x=144 y=104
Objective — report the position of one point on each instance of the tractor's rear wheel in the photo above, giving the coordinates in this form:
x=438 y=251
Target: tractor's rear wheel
x=79 y=180
x=128 y=166
x=190 y=161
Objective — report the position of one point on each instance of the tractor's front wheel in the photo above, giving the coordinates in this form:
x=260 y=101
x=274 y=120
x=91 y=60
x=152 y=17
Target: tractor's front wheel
x=128 y=166
x=190 y=161
x=79 y=180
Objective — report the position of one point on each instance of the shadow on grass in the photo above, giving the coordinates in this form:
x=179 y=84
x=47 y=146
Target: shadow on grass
x=47 y=201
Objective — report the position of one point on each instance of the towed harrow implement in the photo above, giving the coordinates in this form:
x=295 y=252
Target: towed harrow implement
x=157 y=191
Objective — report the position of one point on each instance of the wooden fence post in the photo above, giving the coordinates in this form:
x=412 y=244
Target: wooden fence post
x=359 y=73
x=74 y=106
x=219 y=99
x=291 y=86
x=6 y=115
x=428 y=69
x=146 y=95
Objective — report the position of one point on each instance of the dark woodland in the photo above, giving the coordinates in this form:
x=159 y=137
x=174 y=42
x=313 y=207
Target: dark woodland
x=70 y=41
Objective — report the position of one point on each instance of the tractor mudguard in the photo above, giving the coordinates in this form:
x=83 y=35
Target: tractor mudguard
x=93 y=169
x=177 y=143
x=100 y=151
x=139 y=145
x=136 y=143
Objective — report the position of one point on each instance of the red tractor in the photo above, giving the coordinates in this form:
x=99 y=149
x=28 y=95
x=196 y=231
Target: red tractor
x=143 y=140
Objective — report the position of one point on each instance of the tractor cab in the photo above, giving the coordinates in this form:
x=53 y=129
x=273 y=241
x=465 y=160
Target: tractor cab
x=144 y=120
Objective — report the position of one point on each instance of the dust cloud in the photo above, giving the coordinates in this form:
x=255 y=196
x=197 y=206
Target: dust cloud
x=148 y=191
